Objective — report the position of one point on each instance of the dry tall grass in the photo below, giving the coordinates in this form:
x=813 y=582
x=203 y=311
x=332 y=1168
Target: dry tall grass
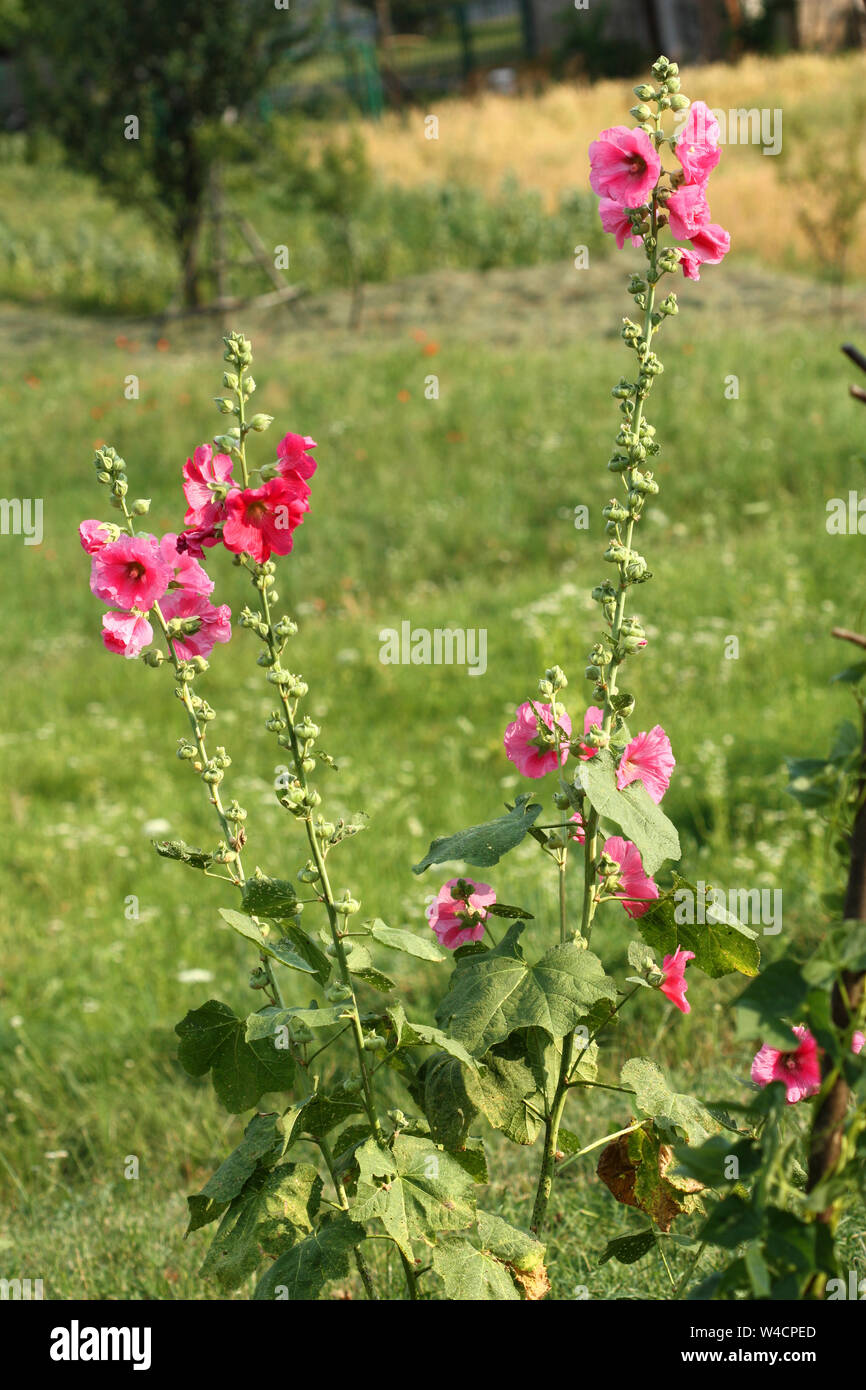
x=543 y=141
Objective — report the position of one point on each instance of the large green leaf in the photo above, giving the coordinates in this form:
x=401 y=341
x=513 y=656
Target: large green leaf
x=268 y=942
x=414 y=1188
x=407 y=941
x=446 y=1103
x=269 y=897
x=301 y=1273
x=509 y=1089
x=776 y=995
x=633 y=810
x=471 y=1275
x=509 y=1243
x=483 y=845
x=720 y=946
x=260 y=1140
x=360 y=963
x=495 y=992
x=274 y=1210
x=655 y=1097
x=212 y=1039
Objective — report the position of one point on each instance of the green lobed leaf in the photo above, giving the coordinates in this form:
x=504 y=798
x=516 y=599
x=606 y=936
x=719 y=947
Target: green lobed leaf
x=483 y=845
x=509 y=1243
x=446 y=1102
x=268 y=944
x=655 y=1097
x=274 y=1210
x=509 y=1089
x=304 y=1271
x=414 y=1188
x=212 y=1039
x=398 y=940
x=633 y=810
x=720 y=947
x=360 y=964
x=269 y=897
x=776 y=995
x=471 y=1275
x=493 y=993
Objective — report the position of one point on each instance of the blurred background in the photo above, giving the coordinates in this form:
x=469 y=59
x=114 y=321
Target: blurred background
x=380 y=193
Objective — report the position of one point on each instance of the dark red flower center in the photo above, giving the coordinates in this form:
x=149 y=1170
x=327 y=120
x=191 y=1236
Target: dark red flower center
x=135 y=569
x=255 y=511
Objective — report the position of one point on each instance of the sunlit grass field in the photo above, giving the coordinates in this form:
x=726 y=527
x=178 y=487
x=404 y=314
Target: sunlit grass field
x=455 y=512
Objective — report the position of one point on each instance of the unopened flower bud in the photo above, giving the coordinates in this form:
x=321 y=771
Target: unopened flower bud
x=261 y=422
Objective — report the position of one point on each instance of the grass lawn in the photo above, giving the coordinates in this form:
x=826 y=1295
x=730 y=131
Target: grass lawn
x=454 y=512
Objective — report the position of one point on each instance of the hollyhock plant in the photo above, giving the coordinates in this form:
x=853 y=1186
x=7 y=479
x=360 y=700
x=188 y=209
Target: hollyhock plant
x=624 y=166
x=635 y=888
x=532 y=755
x=459 y=912
x=674 y=984
x=799 y=1070
x=126 y=633
x=130 y=573
x=262 y=521
x=619 y=842
x=648 y=758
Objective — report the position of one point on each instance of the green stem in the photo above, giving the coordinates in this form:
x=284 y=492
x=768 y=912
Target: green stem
x=360 y=1263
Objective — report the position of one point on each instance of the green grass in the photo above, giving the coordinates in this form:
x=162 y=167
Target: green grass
x=456 y=512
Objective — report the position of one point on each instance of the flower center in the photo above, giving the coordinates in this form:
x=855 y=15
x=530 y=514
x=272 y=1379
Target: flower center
x=638 y=164
x=136 y=570
x=255 y=511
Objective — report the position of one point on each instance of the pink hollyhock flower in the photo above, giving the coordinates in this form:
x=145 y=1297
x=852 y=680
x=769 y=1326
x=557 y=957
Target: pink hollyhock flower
x=522 y=740
x=191 y=542
x=799 y=1069
x=689 y=211
x=129 y=573
x=94 y=536
x=593 y=715
x=293 y=456
x=711 y=243
x=674 y=984
x=624 y=166
x=201 y=474
x=691 y=263
x=216 y=623
x=635 y=883
x=126 y=633
x=187 y=572
x=857 y=1041
x=698 y=146
x=648 y=758
x=615 y=220
x=458 y=920
x=579 y=831
x=261 y=520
